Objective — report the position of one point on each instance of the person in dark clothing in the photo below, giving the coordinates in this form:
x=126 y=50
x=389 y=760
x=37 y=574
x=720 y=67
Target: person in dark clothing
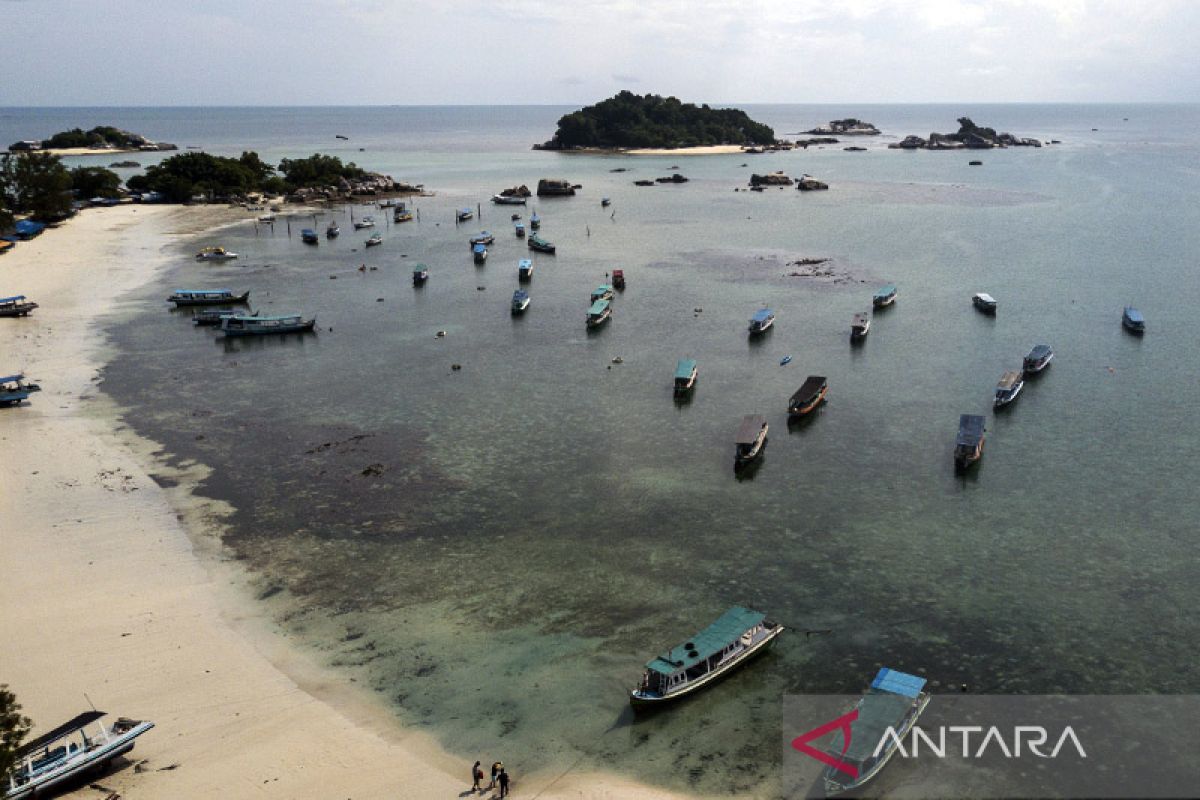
x=503 y=782
x=496 y=767
x=476 y=778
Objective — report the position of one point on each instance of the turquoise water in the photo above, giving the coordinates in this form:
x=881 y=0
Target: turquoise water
x=497 y=549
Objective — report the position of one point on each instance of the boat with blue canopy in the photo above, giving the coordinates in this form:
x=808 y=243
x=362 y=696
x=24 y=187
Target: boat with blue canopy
x=520 y=301
x=599 y=313
x=207 y=297
x=1133 y=320
x=525 y=270
x=242 y=325
x=885 y=716
x=519 y=229
x=465 y=214
x=968 y=445
x=14 y=389
x=685 y=375
x=604 y=292
x=733 y=639
x=884 y=297
x=535 y=221
x=16 y=306
x=1038 y=359
x=762 y=321
x=484 y=237
x=309 y=236
x=480 y=252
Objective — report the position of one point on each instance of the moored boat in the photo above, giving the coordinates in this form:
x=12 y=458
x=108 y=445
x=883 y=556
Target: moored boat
x=809 y=396
x=207 y=297
x=46 y=764
x=14 y=389
x=685 y=375
x=540 y=245
x=402 y=213
x=603 y=292
x=243 y=325
x=535 y=222
x=309 y=236
x=366 y=222
x=984 y=302
x=420 y=274
x=484 y=237
x=605 y=202
x=599 y=313
x=332 y=231
x=751 y=439
x=1133 y=320
x=520 y=301
x=1008 y=389
x=893 y=703
x=16 y=306
x=215 y=254
x=519 y=229
x=618 y=279
x=465 y=214
x=480 y=252
x=762 y=321
x=732 y=640
x=213 y=316
x=525 y=270
x=374 y=240
x=507 y=200
x=884 y=297
x=1038 y=359
x=968 y=446
x=860 y=326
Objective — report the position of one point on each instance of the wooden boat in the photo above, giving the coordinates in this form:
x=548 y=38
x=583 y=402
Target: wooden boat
x=809 y=396
x=751 y=439
x=860 y=326
x=604 y=292
x=1133 y=320
x=618 y=279
x=214 y=316
x=365 y=222
x=374 y=240
x=894 y=700
x=762 y=321
x=984 y=302
x=267 y=219
x=1008 y=389
x=465 y=214
x=540 y=245
x=1038 y=359
x=968 y=446
x=332 y=231
x=6 y=245
x=515 y=217
x=242 y=325
x=525 y=270
x=535 y=222
x=207 y=297
x=420 y=274
x=884 y=297
x=480 y=253
x=14 y=389
x=599 y=313
x=519 y=229
x=46 y=764
x=483 y=238
x=520 y=301
x=732 y=640
x=215 y=254
x=16 y=306
x=402 y=214
x=685 y=376
x=309 y=236
x=605 y=202
x=507 y=200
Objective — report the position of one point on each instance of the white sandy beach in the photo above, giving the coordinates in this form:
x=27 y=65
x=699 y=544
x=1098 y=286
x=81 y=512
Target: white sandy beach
x=710 y=150
x=104 y=592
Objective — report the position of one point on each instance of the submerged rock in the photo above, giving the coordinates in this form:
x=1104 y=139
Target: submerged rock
x=774 y=179
x=548 y=187
x=809 y=184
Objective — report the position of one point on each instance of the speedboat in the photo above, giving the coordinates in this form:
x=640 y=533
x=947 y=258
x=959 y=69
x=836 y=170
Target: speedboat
x=373 y=240
x=420 y=275
x=332 y=231
x=884 y=297
x=507 y=200
x=483 y=238
x=309 y=236
x=465 y=214
x=365 y=222
x=860 y=326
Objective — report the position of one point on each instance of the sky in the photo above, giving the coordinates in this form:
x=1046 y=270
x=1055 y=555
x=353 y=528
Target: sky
x=420 y=52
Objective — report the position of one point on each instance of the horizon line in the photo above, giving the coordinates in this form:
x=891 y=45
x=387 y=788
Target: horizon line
x=722 y=104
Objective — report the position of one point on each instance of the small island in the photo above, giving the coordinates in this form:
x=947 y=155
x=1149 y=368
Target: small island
x=102 y=139
x=845 y=127
x=969 y=137
x=628 y=122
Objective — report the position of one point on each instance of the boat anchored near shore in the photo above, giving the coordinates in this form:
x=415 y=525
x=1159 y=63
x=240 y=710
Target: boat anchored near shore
x=16 y=306
x=242 y=325
x=207 y=297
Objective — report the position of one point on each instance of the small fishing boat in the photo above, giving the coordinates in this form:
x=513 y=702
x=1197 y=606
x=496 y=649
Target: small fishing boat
x=366 y=222
x=402 y=213
x=46 y=764
x=515 y=217
x=480 y=252
x=507 y=200
x=1038 y=359
x=860 y=326
x=420 y=274
x=540 y=245
x=893 y=702
x=685 y=376
x=207 y=297
x=16 y=306
x=267 y=219
x=1133 y=320
x=242 y=325
x=483 y=238
x=519 y=228
x=520 y=301
x=984 y=302
x=809 y=396
x=732 y=640
x=783 y=362
x=214 y=316
x=599 y=313
x=604 y=292
x=618 y=279
x=14 y=389
x=535 y=222
x=332 y=231
x=215 y=254
x=309 y=236
x=605 y=202
x=968 y=446
x=1008 y=389
x=751 y=439
x=374 y=240
x=525 y=270
x=884 y=297
x=762 y=321
x=465 y=214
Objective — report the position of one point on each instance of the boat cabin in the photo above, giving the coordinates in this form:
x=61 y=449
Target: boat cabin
x=465 y=214
x=604 y=292
x=519 y=228
x=484 y=237
x=685 y=375
x=810 y=395
x=480 y=253
x=206 y=297
x=214 y=254
x=420 y=274
x=520 y=301
x=599 y=313
x=14 y=389
x=984 y=302
x=1039 y=357
x=968 y=446
x=618 y=279
x=309 y=236
x=524 y=269
x=884 y=297
x=16 y=306
x=762 y=320
x=751 y=436
x=860 y=325
x=1133 y=320
x=1009 y=387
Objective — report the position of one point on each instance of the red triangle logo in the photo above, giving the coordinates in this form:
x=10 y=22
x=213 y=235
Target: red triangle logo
x=843 y=722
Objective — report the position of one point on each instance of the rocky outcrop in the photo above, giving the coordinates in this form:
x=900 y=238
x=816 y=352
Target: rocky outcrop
x=845 y=127
x=676 y=178
x=811 y=184
x=969 y=136
x=643 y=182
x=774 y=179
x=908 y=143
x=517 y=191
x=124 y=165
x=371 y=184
x=819 y=140
x=548 y=187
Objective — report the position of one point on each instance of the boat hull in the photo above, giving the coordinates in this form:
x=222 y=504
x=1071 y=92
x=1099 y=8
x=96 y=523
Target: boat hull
x=180 y=302
x=834 y=788
x=19 y=310
x=1034 y=367
x=643 y=703
x=304 y=327
x=883 y=302
x=757 y=329
x=802 y=409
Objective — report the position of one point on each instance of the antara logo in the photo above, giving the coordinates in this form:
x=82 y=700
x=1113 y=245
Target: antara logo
x=1034 y=738
x=843 y=722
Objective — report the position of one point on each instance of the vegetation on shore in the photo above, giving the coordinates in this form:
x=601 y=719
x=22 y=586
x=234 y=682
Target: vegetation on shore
x=628 y=120
x=36 y=184
x=187 y=175
x=14 y=727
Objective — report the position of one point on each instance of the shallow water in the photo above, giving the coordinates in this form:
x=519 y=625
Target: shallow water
x=497 y=549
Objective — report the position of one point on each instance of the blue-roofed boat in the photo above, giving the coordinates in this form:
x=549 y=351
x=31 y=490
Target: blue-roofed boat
x=685 y=376
x=214 y=316
x=242 y=325
x=602 y=292
x=968 y=445
x=207 y=297
x=525 y=270
x=309 y=236
x=1038 y=359
x=333 y=230
x=535 y=222
x=520 y=301
x=884 y=297
x=14 y=389
x=465 y=214
x=1133 y=320
x=480 y=252
x=894 y=701
x=420 y=274
x=733 y=639
x=1010 y=386
x=483 y=238
x=519 y=229
x=599 y=313
x=762 y=321
x=541 y=245
x=366 y=222
x=16 y=306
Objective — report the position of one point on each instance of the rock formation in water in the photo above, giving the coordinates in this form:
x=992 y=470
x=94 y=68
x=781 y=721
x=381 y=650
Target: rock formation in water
x=845 y=127
x=774 y=179
x=970 y=136
x=549 y=187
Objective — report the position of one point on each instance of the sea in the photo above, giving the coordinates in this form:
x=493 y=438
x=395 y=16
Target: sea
x=493 y=521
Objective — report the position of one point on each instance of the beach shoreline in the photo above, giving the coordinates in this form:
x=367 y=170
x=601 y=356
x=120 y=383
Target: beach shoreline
x=706 y=150
x=135 y=602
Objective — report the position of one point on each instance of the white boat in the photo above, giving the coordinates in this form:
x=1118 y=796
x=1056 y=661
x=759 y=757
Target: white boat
x=762 y=321
x=365 y=222
x=215 y=254
x=1038 y=359
x=506 y=200
x=68 y=752
x=860 y=326
x=1009 y=387
x=984 y=302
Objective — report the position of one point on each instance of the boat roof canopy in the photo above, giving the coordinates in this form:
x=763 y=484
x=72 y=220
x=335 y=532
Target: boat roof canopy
x=14 y=299
x=12 y=378
x=762 y=315
x=985 y=297
x=598 y=307
x=197 y=291
x=1133 y=315
x=616 y=272
x=810 y=387
x=419 y=268
x=713 y=639
x=751 y=425
x=66 y=729
x=1009 y=379
x=885 y=705
x=884 y=291
x=897 y=682
x=525 y=263
x=480 y=248
x=970 y=430
x=685 y=367
x=1039 y=351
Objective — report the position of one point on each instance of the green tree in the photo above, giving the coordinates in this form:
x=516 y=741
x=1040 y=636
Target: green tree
x=88 y=182
x=186 y=175
x=13 y=729
x=36 y=183
x=318 y=170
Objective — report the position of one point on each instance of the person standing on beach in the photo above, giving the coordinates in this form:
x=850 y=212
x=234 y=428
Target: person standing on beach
x=503 y=782
x=476 y=778
x=496 y=767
